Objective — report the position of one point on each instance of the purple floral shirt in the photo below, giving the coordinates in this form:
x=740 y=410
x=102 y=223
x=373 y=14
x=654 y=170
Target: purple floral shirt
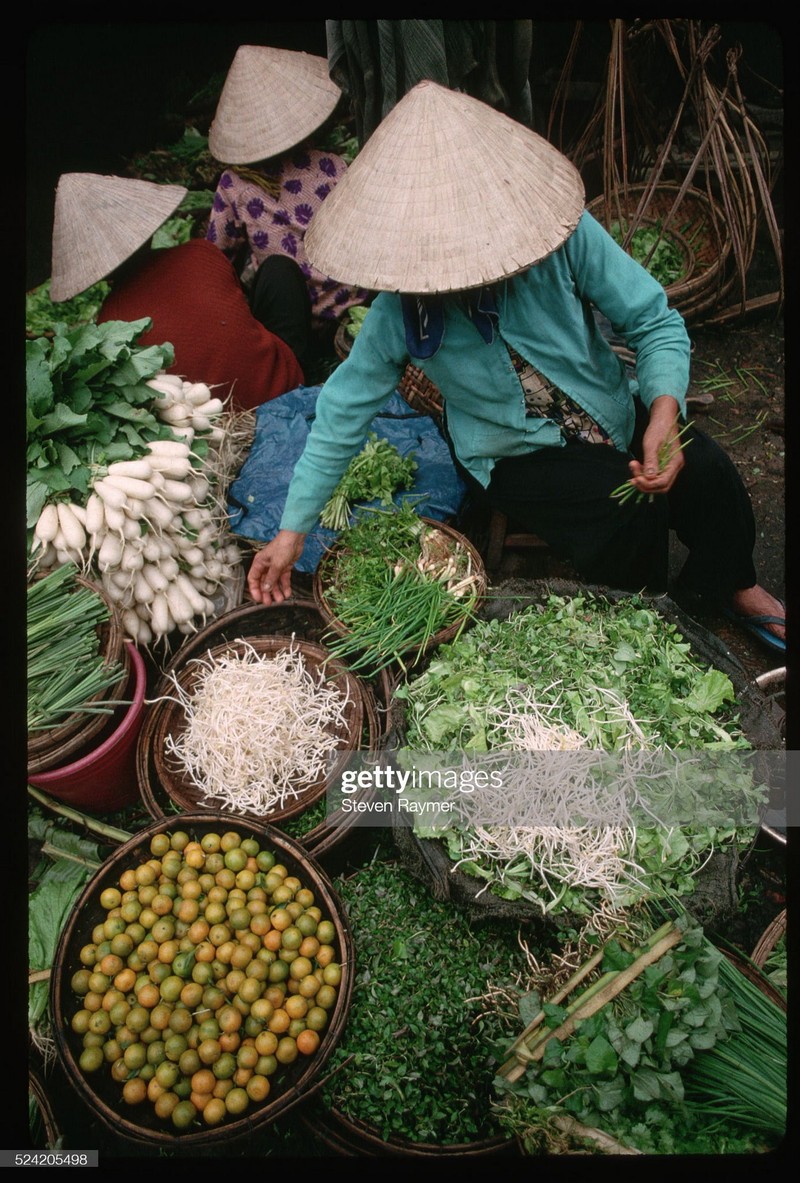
x=243 y=210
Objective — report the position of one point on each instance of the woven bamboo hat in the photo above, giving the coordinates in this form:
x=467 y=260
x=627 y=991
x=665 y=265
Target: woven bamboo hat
x=99 y=222
x=271 y=100
x=446 y=194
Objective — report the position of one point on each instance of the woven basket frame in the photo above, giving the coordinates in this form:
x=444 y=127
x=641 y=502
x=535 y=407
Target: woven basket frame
x=169 y=718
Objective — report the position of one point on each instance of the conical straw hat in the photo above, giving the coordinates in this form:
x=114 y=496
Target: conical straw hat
x=99 y=222
x=446 y=194
x=272 y=99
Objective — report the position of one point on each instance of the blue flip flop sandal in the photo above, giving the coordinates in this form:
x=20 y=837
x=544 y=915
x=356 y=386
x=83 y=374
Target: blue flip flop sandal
x=756 y=626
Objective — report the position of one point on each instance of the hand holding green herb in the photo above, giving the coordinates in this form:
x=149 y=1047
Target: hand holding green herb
x=670 y=448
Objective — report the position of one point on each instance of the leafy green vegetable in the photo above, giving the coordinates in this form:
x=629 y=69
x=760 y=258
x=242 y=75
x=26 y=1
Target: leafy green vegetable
x=376 y=473
x=355 y=319
x=414 y=1061
x=653 y=247
x=42 y=315
x=628 y=1069
x=88 y=403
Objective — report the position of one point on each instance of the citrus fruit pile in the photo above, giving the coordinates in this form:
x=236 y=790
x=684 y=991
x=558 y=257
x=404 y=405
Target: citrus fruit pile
x=212 y=969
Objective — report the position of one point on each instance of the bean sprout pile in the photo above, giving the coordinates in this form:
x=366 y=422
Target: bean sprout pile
x=259 y=729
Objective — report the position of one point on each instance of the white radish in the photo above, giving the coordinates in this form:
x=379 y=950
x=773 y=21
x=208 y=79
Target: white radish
x=143 y=590
x=211 y=409
x=110 y=552
x=178 y=492
x=71 y=528
x=161 y=621
x=193 y=596
x=47 y=525
x=175 y=467
x=132 y=623
x=170 y=567
x=111 y=494
x=131 y=486
x=115 y=519
x=171 y=448
x=161 y=514
x=166 y=384
x=180 y=608
x=200 y=486
x=178 y=413
x=139 y=469
x=95 y=514
x=155 y=577
x=196 y=393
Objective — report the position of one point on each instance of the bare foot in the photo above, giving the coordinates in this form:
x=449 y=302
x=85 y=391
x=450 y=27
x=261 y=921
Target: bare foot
x=756 y=601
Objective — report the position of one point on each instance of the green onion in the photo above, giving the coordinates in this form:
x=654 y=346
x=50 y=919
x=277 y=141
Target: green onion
x=65 y=668
x=745 y=1076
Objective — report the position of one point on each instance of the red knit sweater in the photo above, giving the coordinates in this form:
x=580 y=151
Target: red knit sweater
x=195 y=301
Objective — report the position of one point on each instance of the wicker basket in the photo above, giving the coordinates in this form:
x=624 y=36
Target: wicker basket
x=327 y=565
x=700 y=222
x=769 y=939
x=291 y=1083
x=350 y=1137
x=49 y=1137
x=714 y=896
x=54 y=747
x=168 y=720
x=419 y=392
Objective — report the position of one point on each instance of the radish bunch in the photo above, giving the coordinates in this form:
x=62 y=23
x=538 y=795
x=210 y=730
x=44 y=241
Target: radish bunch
x=153 y=533
x=187 y=407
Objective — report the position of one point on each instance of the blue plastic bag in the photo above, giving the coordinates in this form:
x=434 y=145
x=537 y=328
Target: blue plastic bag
x=257 y=497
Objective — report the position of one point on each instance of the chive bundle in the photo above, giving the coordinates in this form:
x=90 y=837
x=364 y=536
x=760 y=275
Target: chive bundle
x=744 y=1078
x=393 y=588
x=65 y=668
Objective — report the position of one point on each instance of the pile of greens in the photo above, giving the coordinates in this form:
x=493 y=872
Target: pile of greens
x=42 y=314
x=415 y=1060
x=376 y=473
x=392 y=582
x=666 y=262
x=688 y=1057
x=88 y=403
x=619 y=677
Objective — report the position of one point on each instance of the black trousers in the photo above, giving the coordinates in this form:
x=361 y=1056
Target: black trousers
x=563 y=495
x=280 y=301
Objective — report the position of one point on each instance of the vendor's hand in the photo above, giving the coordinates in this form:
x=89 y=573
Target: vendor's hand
x=661 y=439
x=269 y=579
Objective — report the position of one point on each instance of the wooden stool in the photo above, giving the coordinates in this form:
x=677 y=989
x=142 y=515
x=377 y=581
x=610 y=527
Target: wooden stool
x=501 y=539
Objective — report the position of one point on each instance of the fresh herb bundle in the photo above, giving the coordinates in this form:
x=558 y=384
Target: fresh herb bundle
x=65 y=667
x=655 y=249
x=376 y=473
x=638 y=1031
x=393 y=582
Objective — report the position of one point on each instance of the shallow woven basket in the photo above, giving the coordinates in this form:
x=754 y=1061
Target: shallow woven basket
x=348 y=1136
x=54 y=747
x=168 y=719
x=291 y=1084
x=50 y=1135
x=327 y=564
x=428 y=859
x=769 y=939
x=701 y=223
x=419 y=392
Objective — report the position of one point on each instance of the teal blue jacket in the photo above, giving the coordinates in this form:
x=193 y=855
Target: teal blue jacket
x=546 y=315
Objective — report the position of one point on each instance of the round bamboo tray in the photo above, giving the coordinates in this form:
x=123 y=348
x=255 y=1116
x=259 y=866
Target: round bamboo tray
x=290 y=1084
x=769 y=939
x=50 y=1137
x=324 y=575
x=169 y=720
x=700 y=222
x=54 y=747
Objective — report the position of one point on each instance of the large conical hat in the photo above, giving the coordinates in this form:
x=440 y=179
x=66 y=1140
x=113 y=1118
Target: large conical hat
x=99 y=222
x=446 y=194
x=272 y=99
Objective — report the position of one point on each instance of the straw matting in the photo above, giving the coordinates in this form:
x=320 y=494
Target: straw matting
x=99 y=222
x=446 y=194
x=271 y=100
